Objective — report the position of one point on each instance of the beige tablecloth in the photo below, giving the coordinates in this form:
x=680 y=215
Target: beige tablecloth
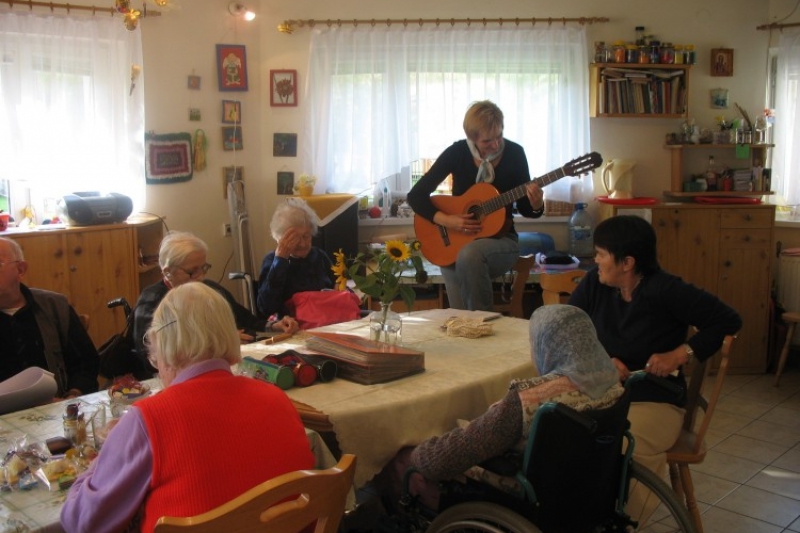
x=462 y=378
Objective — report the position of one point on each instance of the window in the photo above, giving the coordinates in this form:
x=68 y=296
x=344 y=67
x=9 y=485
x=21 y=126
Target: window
x=69 y=119
x=382 y=100
x=785 y=99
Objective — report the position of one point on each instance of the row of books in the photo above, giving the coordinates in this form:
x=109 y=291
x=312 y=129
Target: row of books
x=642 y=92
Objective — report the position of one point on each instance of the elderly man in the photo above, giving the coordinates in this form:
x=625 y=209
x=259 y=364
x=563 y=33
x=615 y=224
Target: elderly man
x=40 y=328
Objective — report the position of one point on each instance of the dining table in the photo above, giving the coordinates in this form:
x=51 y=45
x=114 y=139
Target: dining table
x=462 y=378
x=38 y=509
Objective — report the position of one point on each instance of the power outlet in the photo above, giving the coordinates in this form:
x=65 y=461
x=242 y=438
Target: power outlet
x=226 y=230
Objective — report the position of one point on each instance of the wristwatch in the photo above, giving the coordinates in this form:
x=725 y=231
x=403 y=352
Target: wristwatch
x=689 y=353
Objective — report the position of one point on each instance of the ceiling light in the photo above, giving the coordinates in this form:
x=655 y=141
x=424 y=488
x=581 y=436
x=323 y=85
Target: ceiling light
x=237 y=9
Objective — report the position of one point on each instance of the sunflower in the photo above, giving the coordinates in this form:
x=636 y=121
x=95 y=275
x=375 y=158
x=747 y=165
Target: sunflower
x=398 y=251
x=340 y=270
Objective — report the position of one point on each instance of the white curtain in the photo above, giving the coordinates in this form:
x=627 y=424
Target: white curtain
x=382 y=97
x=786 y=156
x=69 y=120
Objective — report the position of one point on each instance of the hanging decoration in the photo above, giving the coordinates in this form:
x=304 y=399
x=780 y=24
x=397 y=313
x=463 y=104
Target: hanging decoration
x=168 y=158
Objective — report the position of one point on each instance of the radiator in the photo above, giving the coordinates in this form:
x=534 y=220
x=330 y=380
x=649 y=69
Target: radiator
x=789 y=285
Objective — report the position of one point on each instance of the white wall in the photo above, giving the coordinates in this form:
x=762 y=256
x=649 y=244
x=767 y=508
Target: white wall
x=182 y=42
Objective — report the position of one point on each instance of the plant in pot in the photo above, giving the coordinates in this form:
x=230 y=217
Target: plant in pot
x=304 y=186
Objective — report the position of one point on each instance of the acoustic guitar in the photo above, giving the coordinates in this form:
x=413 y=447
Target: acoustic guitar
x=440 y=246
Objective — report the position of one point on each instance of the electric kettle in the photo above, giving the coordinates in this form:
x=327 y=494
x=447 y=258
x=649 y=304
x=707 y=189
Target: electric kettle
x=618 y=178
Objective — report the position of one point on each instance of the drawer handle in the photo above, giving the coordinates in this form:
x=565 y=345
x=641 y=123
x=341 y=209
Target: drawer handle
x=73 y=268
x=728 y=263
x=59 y=253
x=748 y=218
x=77 y=250
x=747 y=238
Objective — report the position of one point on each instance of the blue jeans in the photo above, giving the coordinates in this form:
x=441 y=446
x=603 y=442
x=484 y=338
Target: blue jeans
x=469 y=280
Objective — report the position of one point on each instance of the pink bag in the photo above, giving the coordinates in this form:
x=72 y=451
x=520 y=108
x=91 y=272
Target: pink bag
x=313 y=309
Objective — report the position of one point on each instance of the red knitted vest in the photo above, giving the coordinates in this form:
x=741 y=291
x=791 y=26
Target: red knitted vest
x=214 y=437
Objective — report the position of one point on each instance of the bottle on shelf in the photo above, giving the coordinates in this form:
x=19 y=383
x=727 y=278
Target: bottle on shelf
x=581 y=243
x=619 y=52
x=712 y=174
x=640 y=35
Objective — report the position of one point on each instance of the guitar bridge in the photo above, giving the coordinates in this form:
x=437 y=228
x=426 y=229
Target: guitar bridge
x=444 y=235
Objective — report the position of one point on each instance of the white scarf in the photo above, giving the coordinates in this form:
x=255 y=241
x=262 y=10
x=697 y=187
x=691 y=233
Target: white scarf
x=486 y=170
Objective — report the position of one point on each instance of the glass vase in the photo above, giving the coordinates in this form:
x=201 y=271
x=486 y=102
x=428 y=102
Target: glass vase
x=385 y=325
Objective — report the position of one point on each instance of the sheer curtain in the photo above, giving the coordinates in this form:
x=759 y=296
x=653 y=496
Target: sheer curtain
x=786 y=154
x=382 y=97
x=69 y=118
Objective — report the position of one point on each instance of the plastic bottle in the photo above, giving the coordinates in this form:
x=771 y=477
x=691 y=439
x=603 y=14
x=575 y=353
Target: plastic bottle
x=581 y=242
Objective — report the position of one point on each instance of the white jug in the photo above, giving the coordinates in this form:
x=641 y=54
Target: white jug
x=618 y=178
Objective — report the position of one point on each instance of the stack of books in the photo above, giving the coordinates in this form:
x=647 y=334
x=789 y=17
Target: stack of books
x=365 y=361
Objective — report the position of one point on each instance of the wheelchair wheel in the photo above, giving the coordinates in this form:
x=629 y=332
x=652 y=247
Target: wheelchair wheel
x=663 y=512
x=481 y=517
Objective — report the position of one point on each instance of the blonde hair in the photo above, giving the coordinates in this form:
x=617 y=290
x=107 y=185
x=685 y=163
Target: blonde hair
x=293 y=213
x=193 y=323
x=176 y=246
x=483 y=116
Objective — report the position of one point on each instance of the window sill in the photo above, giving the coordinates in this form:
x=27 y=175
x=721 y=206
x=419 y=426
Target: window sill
x=794 y=224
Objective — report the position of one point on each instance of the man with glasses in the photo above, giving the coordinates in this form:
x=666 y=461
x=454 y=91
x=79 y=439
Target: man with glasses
x=183 y=258
x=40 y=328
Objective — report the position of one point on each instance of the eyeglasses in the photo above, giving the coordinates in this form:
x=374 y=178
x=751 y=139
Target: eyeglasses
x=147 y=340
x=4 y=263
x=202 y=269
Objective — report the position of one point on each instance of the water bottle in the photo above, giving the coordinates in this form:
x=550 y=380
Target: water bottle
x=581 y=243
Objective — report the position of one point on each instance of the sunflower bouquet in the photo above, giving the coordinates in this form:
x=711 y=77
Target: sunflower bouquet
x=378 y=274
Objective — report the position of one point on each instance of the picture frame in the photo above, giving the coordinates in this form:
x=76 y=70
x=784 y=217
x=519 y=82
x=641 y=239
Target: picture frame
x=286 y=182
x=193 y=82
x=232 y=67
x=719 y=98
x=284 y=145
x=229 y=174
x=195 y=115
x=283 y=88
x=722 y=62
x=231 y=112
x=232 y=138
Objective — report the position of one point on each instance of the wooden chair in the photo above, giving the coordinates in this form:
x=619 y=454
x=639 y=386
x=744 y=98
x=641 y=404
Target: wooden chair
x=285 y=504
x=557 y=286
x=690 y=447
x=791 y=318
x=521 y=269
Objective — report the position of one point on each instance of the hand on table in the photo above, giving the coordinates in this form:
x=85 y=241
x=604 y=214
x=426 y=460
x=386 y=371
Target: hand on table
x=286 y=324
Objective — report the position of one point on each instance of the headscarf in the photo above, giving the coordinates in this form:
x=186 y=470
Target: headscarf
x=564 y=341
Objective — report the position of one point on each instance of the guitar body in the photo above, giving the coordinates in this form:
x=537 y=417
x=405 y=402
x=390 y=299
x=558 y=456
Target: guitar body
x=440 y=245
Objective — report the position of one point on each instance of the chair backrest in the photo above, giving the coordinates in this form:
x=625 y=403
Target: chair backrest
x=573 y=461
x=285 y=504
x=557 y=286
x=522 y=267
x=696 y=400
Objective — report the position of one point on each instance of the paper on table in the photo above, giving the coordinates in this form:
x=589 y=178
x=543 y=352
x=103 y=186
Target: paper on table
x=31 y=387
x=444 y=314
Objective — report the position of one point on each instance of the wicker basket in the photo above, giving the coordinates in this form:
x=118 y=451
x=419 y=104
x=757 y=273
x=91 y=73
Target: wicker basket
x=553 y=208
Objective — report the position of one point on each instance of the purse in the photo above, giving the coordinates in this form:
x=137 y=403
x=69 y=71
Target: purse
x=118 y=355
x=313 y=309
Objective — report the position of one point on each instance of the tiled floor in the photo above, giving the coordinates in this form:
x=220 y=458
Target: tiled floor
x=750 y=479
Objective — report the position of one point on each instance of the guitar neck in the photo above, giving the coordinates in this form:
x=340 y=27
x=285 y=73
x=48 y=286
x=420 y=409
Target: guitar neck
x=508 y=197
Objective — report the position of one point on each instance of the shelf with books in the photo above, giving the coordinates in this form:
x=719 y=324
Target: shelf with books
x=638 y=91
x=680 y=170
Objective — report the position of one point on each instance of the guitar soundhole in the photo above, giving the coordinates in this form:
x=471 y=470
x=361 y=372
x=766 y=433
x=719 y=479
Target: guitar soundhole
x=476 y=212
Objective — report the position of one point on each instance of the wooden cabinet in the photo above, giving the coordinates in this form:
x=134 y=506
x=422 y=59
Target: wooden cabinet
x=725 y=250
x=680 y=169
x=92 y=265
x=638 y=91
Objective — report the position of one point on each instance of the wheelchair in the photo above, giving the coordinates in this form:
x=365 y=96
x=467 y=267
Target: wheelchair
x=571 y=478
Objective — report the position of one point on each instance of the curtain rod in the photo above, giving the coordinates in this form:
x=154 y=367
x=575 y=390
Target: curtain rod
x=776 y=26
x=94 y=9
x=288 y=26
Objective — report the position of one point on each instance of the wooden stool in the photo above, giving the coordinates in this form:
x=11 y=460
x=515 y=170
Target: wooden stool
x=791 y=318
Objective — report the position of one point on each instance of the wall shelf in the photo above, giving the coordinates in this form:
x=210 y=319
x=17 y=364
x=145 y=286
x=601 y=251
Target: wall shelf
x=632 y=90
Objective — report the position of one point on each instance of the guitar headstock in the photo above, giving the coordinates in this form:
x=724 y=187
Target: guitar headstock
x=583 y=164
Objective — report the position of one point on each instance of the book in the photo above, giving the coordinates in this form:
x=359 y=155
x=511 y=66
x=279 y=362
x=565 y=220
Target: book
x=365 y=361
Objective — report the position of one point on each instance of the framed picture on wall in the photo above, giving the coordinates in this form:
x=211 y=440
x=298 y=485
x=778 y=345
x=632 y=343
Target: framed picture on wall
x=230 y=174
x=232 y=67
x=285 y=182
x=231 y=112
x=722 y=62
x=232 y=138
x=284 y=145
x=283 y=88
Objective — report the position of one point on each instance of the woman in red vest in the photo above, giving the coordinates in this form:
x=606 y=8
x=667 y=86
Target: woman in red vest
x=189 y=448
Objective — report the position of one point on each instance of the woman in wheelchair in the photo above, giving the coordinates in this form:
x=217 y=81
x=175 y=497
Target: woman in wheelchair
x=574 y=369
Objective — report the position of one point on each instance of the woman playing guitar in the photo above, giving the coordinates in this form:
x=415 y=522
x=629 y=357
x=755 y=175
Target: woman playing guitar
x=483 y=157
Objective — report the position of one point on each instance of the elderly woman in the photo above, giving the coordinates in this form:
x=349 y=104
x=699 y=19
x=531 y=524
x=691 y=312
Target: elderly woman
x=183 y=258
x=484 y=156
x=574 y=369
x=171 y=453
x=295 y=265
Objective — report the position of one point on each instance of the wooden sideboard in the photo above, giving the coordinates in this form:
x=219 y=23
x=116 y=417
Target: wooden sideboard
x=92 y=265
x=726 y=250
